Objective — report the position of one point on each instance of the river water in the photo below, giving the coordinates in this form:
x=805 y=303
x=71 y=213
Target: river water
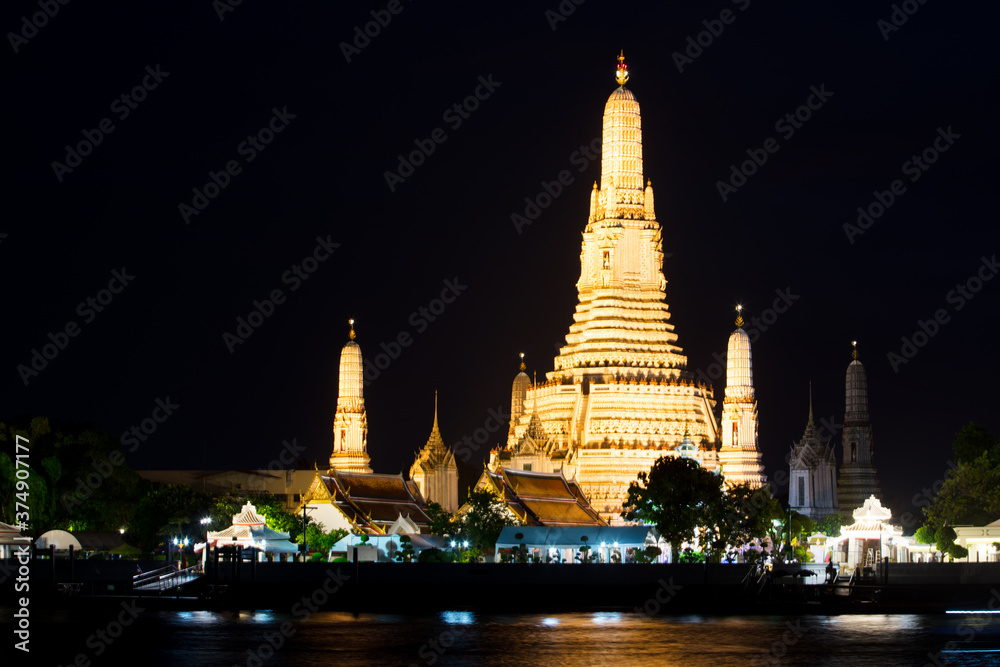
x=621 y=639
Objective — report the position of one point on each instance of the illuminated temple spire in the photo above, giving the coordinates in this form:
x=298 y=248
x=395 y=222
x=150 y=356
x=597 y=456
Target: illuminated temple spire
x=740 y=456
x=858 y=479
x=621 y=394
x=434 y=469
x=350 y=423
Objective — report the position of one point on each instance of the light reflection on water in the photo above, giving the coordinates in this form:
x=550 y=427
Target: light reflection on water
x=521 y=640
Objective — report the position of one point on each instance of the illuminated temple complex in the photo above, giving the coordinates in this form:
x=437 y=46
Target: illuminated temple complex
x=621 y=395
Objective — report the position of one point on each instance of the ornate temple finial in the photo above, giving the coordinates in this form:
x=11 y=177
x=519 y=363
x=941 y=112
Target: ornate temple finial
x=352 y=327
x=854 y=353
x=811 y=403
x=435 y=408
x=621 y=74
x=739 y=316
x=523 y=367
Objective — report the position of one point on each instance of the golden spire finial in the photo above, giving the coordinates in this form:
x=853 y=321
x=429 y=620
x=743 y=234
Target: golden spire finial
x=523 y=367
x=854 y=353
x=352 y=327
x=810 y=403
x=621 y=74
x=739 y=315
x=435 y=409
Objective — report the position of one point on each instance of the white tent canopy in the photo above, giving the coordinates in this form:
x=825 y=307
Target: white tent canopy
x=549 y=538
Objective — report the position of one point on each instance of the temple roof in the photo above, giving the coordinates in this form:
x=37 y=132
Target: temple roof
x=373 y=502
x=541 y=499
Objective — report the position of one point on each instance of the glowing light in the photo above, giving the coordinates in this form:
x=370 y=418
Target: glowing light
x=550 y=621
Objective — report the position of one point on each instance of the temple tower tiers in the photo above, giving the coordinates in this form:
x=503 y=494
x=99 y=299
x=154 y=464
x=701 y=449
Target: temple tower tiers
x=740 y=456
x=812 y=473
x=518 y=392
x=620 y=395
x=350 y=423
x=857 y=470
x=434 y=470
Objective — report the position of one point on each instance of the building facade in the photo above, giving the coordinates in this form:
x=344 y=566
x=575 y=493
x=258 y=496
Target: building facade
x=350 y=422
x=435 y=471
x=812 y=474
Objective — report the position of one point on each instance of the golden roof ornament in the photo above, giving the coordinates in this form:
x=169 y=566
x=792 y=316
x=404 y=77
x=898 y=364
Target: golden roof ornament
x=523 y=367
x=352 y=327
x=854 y=353
x=621 y=74
x=739 y=316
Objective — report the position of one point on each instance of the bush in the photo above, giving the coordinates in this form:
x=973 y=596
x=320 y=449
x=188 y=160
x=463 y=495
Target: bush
x=957 y=551
x=435 y=555
x=691 y=556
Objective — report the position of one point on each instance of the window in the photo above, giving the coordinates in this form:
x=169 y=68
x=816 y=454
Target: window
x=527 y=467
x=802 y=491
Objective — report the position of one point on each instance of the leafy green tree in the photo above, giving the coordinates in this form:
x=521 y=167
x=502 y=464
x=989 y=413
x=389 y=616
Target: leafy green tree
x=485 y=517
x=746 y=515
x=924 y=535
x=434 y=555
x=168 y=510
x=647 y=555
x=944 y=538
x=677 y=496
x=78 y=475
x=319 y=539
x=405 y=553
x=974 y=440
x=957 y=551
x=441 y=520
x=970 y=495
x=830 y=525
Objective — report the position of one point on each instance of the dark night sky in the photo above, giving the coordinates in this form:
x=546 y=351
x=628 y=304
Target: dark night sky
x=323 y=176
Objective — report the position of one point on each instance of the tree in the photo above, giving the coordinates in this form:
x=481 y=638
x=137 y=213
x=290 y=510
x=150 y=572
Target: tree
x=747 y=513
x=970 y=495
x=319 y=539
x=974 y=440
x=830 y=525
x=677 y=496
x=167 y=510
x=485 y=517
x=405 y=552
x=441 y=520
x=77 y=476
x=924 y=535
